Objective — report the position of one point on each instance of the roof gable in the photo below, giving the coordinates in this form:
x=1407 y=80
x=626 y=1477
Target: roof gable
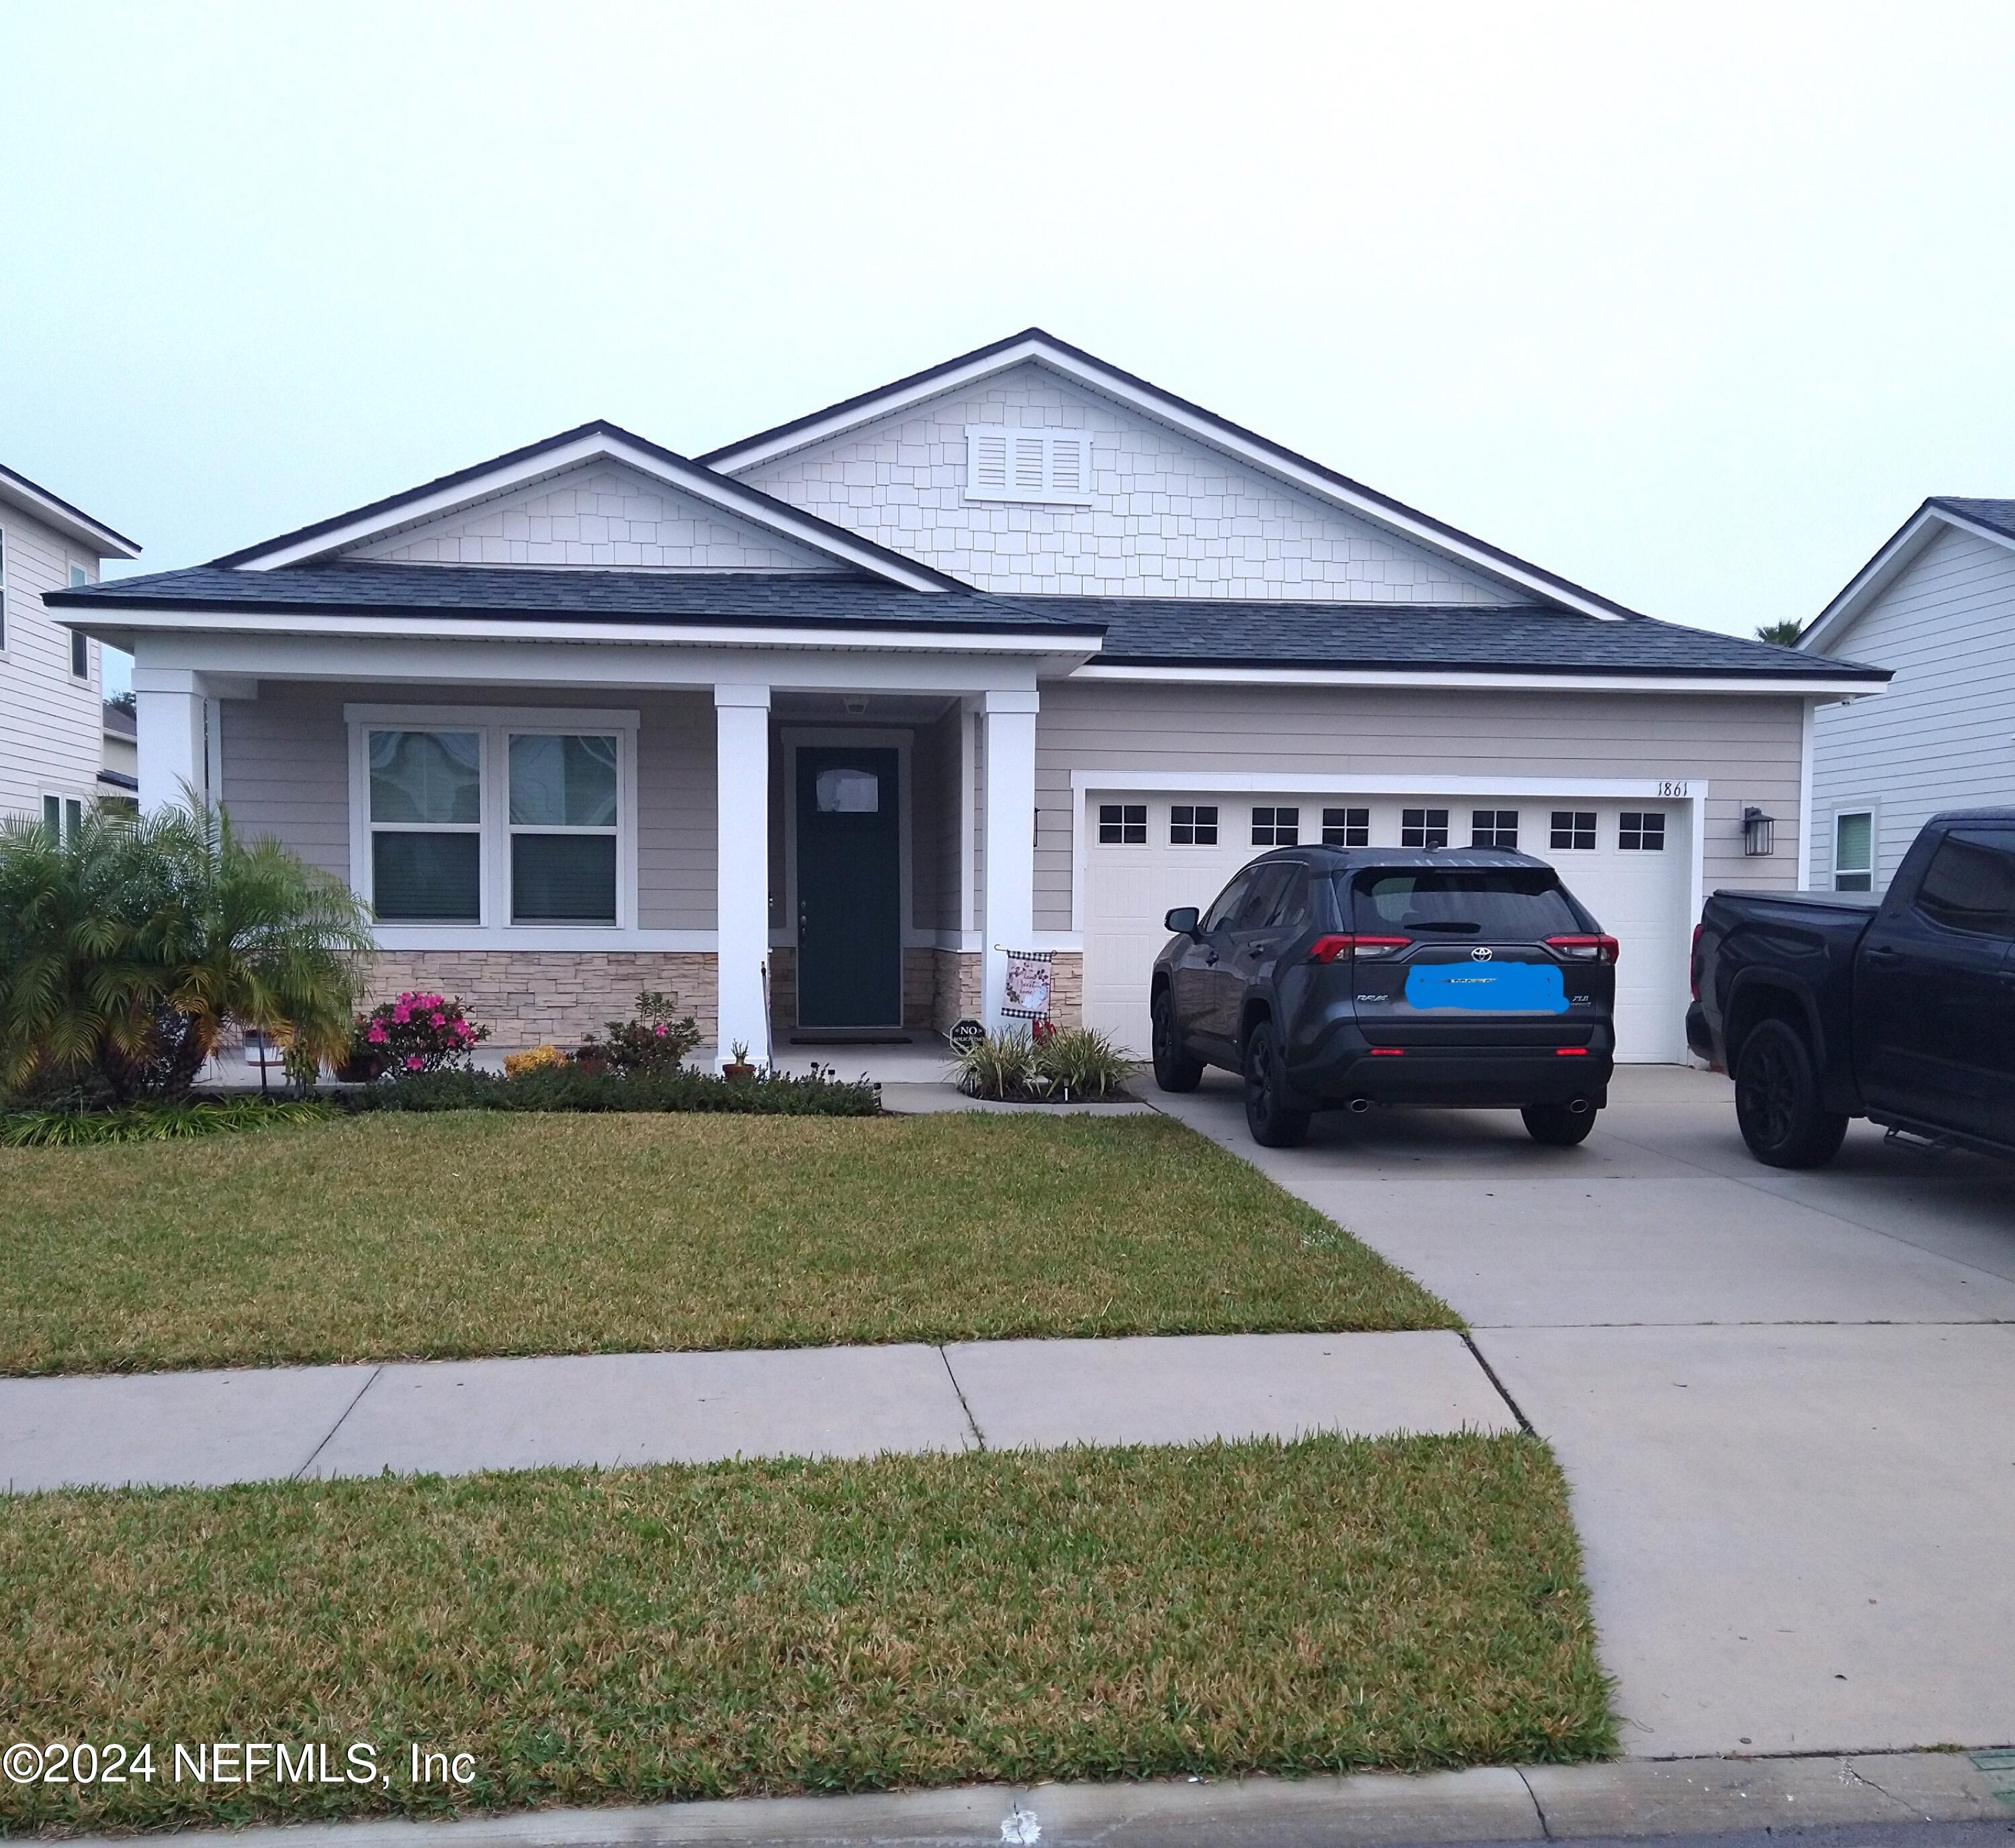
x=759 y=458
x=1991 y=520
x=72 y=522
x=541 y=463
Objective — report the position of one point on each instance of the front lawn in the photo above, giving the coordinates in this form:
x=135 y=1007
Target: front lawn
x=1329 y=1605
x=398 y=1236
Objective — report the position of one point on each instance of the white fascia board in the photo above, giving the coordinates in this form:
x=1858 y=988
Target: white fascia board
x=100 y=541
x=1181 y=781
x=1163 y=411
x=1882 y=570
x=701 y=484
x=1467 y=680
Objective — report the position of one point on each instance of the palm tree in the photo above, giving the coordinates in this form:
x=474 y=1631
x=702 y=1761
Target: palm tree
x=127 y=951
x=1783 y=634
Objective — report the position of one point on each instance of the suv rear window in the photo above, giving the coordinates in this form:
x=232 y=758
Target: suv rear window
x=1509 y=907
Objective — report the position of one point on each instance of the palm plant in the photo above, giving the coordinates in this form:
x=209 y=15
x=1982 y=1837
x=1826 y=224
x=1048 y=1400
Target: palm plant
x=127 y=951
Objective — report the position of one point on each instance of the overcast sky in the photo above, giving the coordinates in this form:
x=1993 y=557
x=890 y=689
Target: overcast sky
x=1692 y=305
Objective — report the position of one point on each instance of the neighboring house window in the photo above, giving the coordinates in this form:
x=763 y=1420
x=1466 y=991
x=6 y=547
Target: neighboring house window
x=1122 y=825
x=1424 y=827
x=1346 y=827
x=80 y=644
x=1493 y=827
x=1641 y=830
x=1969 y=884
x=1573 y=830
x=62 y=815
x=1192 y=825
x=1004 y=463
x=426 y=826
x=563 y=828
x=1854 y=851
x=1276 y=827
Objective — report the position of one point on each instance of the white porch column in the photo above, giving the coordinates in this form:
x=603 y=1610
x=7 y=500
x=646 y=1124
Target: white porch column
x=742 y=903
x=1008 y=893
x=169 y=715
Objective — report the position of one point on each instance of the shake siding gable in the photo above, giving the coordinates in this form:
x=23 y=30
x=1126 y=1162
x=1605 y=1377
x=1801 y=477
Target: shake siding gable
x=1170 y=516
x=1943 y=736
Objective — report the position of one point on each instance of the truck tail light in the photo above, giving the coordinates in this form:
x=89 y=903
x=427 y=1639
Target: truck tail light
x=1585 y=949
x=1571 y=1052
x=1333 y=948
x=1693 y=964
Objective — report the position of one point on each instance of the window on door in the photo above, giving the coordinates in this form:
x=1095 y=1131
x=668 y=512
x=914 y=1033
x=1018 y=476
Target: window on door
x=1192 y=824
x=1424 y=827
x=426 y=826
x=1493 y=827
x=1573 y=831
x=1122 y=825
x=1346 y=827
x=563 y=825
x=1641 y=830
x=1276 y=827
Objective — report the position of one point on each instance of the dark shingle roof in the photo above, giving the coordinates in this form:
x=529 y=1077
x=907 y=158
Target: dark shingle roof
x=1999 y=515
x=1159 y=631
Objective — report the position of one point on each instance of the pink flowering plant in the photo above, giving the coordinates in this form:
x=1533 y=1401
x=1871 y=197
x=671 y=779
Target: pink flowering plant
x=655 y=1040
x=413 y=1033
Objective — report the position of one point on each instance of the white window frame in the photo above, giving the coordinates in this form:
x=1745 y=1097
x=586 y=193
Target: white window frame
x=1663 y=830
x=1051 y=442
x=1346 y=810
x=79 y=577
x=495 y=727
x=1428 y=826
x=1215 y=824
x=67 y=825
x=1593 y=831
x=1834 y=868
x=1145 y=824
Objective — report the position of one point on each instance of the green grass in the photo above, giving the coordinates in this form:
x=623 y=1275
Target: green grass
x=1326 y=1606
x=398 y=1236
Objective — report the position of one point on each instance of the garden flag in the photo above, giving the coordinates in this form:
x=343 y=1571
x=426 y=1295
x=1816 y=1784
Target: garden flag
x=1026 y=996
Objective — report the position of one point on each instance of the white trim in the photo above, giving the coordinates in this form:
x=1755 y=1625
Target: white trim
x=1808 y=725
x=968 y=826
x=1164 y=410
x=902 y=740
x=495 y=727
x=1882 y=570
x=701 y=484
x=80 y=527
x=1467 y=678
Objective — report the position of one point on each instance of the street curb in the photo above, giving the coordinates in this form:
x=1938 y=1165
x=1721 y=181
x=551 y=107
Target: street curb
x=1641 y=1798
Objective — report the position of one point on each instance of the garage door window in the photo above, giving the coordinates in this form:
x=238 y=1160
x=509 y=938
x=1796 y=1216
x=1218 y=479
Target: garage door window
x=1573 y=830
x=1854 y=851
x=1122 y=825
x=1641 y=830
x=1192 y=825
x=1424 y=827
x=1276 y=827
x=1346 y=827
x=1493 y=827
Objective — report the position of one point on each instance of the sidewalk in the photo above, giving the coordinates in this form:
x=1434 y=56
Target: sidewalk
x=454 y=1417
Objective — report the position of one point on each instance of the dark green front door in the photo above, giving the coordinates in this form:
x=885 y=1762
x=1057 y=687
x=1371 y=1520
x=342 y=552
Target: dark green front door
x=849 y=889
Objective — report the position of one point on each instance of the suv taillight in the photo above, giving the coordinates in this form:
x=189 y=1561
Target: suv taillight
x=1693 y=963
x=1334 y=948
x=1585 y=949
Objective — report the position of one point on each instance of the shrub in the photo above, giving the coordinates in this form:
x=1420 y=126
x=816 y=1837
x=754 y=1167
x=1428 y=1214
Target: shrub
x=1061 y=1064
x=413 y=1032
x=655 y=1040
x=165 y=1123
x=570 y=1087
x=998 y=1066
x=1082 y=1062
x=539 y=1058
x=128 y=949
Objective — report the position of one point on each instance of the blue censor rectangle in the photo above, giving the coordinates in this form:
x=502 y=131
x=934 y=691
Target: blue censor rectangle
x=1488 y=988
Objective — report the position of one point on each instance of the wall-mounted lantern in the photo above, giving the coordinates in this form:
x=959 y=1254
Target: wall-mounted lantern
x=1759 y=834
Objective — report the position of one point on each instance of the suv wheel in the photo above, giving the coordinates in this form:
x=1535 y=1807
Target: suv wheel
x=1274 y=1123
x=1175 y=1069
x=1777 y=1104
x=1556 y=1125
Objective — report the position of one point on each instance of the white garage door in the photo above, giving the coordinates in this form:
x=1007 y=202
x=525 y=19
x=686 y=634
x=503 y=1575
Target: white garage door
x=1629 y=862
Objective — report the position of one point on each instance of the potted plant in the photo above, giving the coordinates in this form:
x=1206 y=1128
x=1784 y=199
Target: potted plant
x=738 y=1066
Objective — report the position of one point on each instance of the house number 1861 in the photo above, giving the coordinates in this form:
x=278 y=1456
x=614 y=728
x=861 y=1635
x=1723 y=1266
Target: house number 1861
x=1675 y=790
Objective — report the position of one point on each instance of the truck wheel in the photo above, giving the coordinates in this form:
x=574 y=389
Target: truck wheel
x=1274 y=1123
x=1175 y=1069
x=1777 y=1102
x=1556 y=1125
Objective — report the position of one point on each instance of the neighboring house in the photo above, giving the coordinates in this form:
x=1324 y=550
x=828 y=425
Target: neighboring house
x=1937 y=606
x=51 y=730
x=1013 y=654
x=119 y=775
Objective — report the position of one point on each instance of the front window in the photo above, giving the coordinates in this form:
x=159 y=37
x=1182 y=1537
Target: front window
x=426 y=826
x=563 y=828
x=1854 y=851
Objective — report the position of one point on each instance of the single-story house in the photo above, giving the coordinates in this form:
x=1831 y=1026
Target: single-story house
x=1012 y=653
x=1935 y=605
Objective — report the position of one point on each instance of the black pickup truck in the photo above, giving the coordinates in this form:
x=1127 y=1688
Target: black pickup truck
x=1825 y=1008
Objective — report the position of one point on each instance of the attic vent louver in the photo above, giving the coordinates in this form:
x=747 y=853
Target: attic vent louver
x=1005 y=463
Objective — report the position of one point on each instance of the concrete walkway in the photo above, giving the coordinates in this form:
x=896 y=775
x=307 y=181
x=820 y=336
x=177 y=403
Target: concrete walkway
x=1783 y=1401
x=454 y=1417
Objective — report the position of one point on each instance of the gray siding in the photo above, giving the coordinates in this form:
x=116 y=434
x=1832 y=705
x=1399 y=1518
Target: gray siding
x=50 y=724
x=1746 y=748
x=1942 y=735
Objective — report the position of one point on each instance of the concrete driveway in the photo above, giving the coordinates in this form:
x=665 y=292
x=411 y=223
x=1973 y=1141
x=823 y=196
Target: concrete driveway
x=1786 y=1402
